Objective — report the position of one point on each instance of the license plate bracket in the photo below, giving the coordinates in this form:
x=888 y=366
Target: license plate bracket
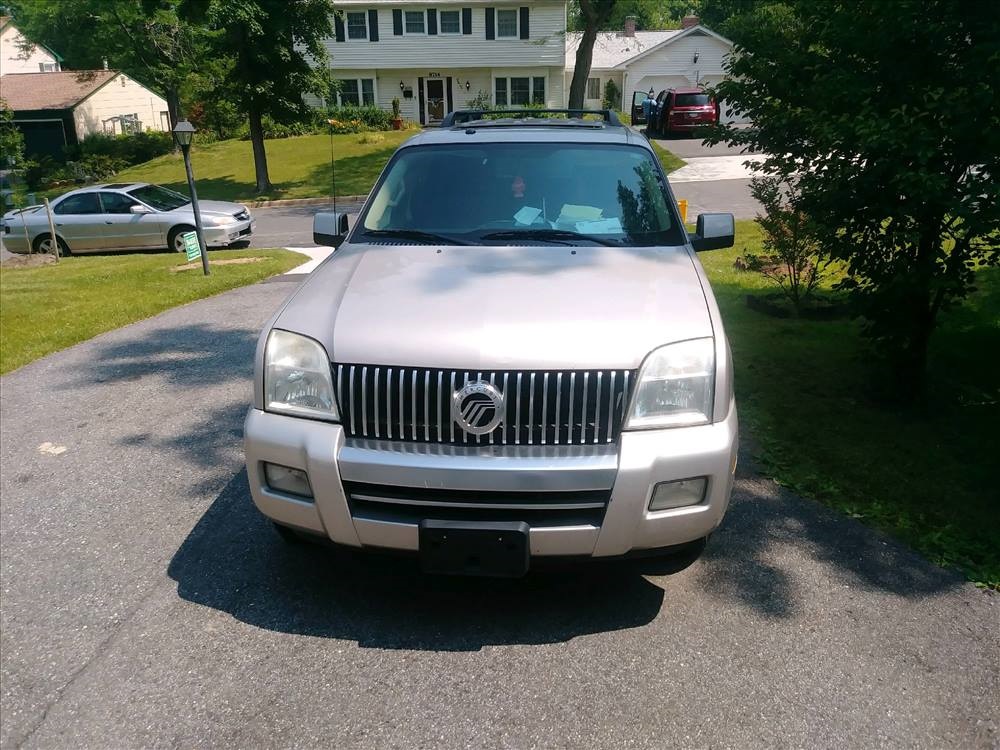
x=497 y=549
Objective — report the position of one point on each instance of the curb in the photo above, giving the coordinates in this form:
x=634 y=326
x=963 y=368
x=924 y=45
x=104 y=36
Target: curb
x=302 y=201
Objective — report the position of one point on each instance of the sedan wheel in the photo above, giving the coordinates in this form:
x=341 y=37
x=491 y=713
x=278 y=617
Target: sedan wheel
x=175 y=241
x=44 y=244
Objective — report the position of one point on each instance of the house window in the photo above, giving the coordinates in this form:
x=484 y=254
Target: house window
x=450 y=22
x=356 y=91
x=164 y=120
x=506 y=23
x=500 y=92
x=538 y=90
x=519 y=91
x=357 y=25
x=593 y=88
x=414 y=22
x=45 y=67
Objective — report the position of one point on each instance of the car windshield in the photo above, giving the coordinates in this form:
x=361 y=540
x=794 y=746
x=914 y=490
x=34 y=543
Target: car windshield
x=159 y=198
x=692 y=100
x=530 y=193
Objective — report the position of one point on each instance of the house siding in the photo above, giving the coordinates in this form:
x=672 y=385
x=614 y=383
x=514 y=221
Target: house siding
x=119 y=96
x=11 y=59
x=546 y=46
x=677 y=59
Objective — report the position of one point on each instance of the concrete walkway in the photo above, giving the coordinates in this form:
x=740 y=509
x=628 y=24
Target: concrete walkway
x=715 y=168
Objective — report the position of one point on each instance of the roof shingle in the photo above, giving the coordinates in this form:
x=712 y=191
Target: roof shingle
x=62 y=90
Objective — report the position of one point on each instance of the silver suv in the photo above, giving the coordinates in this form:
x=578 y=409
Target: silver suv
x=514 y=353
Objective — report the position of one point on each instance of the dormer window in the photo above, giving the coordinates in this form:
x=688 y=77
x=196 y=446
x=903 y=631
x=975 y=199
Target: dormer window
x=357 y=25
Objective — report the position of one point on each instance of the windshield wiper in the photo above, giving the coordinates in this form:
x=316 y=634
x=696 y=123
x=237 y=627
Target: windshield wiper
x=413 y=234
x=550 y=235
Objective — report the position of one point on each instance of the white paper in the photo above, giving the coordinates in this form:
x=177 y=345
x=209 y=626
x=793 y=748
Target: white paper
x=527 y=215
x=602 y=226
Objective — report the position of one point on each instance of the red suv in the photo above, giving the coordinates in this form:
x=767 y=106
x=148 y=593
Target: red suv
x=683 y=111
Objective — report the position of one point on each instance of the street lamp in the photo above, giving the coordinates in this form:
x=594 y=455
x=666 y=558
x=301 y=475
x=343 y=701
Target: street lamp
x=184 y=133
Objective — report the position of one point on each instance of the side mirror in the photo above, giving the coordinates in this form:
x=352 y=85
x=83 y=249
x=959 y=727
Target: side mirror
x=138 y=208
x=714 y=232
x=329 y=228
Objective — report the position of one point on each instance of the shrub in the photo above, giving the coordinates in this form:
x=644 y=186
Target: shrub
x=278 y=130
x=794 y=259
x=371 y=117
x=481 y=100
x=612 y=95
x=130 y=149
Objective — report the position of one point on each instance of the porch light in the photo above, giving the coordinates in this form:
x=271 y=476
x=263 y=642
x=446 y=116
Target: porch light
x=696 y=56
x=402 y=85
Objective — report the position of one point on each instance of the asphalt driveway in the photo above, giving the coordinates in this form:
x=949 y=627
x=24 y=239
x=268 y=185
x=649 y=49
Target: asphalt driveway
x=146 y=603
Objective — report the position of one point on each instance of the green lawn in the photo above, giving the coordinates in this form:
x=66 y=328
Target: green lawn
x=668 y=159
x=47 y=308
x=805 y=392
x=299 y=167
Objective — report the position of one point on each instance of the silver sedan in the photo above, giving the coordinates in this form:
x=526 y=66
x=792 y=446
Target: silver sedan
x=124 y=216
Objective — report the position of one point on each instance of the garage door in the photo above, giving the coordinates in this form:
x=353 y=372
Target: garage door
x=43 y=137
x=657 y=83
x=724 y=115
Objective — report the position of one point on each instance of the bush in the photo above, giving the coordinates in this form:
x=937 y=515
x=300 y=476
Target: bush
x=612 y=95
x=273 y=129
x=373 y=118
x=129 y=149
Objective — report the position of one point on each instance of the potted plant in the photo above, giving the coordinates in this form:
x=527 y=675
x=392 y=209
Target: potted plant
x=397 y=119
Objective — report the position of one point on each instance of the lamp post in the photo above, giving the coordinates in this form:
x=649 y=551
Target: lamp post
x=183 y=133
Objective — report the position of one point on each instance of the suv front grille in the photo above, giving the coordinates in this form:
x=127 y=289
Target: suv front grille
x=573 y=407
x=413 y=504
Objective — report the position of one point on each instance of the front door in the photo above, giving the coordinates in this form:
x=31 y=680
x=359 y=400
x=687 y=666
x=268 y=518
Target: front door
x=434 y=96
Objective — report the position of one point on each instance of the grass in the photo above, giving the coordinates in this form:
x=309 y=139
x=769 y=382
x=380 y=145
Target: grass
x=48 y=308
x=806 y=397
x=668 y=159
x=299 y=167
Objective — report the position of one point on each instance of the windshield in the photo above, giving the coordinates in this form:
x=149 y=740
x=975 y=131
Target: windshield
x=692 y=100
x=160 y=198
x=534 y=193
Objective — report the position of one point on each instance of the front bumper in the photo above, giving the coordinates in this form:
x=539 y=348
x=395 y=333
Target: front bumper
x=629 y=471
x=238 y=231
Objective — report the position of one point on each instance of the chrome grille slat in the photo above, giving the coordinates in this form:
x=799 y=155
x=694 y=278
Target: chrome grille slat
x=578 y=400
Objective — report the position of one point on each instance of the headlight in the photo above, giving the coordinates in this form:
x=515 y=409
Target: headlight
x=219 y=221
x=676 y=386
x=297 y=378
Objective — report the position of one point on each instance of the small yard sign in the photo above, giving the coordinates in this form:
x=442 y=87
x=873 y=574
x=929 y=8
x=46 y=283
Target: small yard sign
x=191 y=246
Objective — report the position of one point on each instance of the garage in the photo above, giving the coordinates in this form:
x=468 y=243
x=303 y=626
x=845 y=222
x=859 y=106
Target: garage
x=43 y=137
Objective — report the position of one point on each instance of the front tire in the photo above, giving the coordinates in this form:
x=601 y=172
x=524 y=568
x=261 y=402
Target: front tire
x=174 y=240
x=43 y=244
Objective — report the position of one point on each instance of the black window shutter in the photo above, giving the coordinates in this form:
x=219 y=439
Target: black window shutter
x=432 y=21
x=397 y=22
x=451 y=105
x=491 y=23
x=373 y=25
x=338 y=25
x=466 y=20
x=525 y=34
x=420 y=98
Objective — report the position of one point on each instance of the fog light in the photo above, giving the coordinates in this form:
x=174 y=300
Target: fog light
x=286 y=479
x=678 y=494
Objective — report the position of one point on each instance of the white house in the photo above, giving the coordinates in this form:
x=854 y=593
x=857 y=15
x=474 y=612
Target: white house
x=642 y=60
x=436 y=57
x=56 y=109
x=18 y=55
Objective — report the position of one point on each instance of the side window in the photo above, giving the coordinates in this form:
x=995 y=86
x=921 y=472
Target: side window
x=116 y=203
x=81 y=203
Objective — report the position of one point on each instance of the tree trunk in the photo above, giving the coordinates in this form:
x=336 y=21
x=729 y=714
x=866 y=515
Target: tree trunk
x=584 y=56
x=259 y=154
x=174 y=113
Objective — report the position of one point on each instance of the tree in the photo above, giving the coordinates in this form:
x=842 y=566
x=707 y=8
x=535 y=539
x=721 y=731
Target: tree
x=273 y=43
x=649 y=14
x=594 y=14
x=162 y=43
x=887 y=114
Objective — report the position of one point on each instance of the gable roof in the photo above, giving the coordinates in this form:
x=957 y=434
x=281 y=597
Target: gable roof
x=6 y=21
x=612 y=48
x=62 y=90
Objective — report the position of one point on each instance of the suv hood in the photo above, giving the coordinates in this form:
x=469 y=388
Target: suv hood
x=548 y=307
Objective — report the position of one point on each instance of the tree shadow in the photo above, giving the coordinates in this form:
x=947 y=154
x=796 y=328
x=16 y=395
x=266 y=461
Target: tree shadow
x=234 y=562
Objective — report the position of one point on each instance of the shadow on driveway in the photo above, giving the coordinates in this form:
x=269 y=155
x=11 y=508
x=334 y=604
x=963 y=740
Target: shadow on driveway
x=233 y=561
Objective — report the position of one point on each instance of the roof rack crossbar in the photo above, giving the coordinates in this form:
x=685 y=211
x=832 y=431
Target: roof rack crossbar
x=461 y=116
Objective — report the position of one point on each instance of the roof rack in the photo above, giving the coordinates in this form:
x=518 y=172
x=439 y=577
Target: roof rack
x=462 y=116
